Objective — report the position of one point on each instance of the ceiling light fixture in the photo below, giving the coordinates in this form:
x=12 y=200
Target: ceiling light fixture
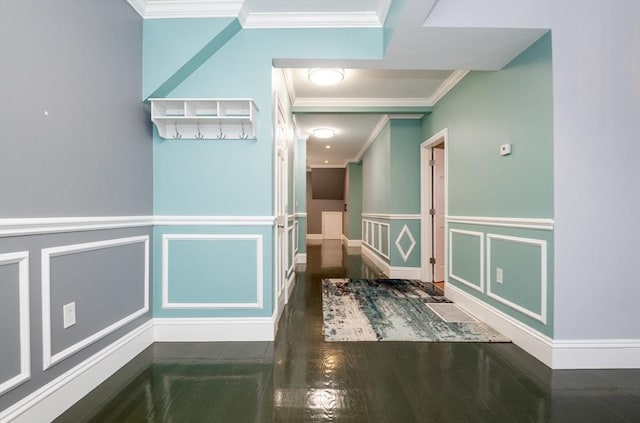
x=325 y=76
x=323 y=132
x=326 y=161
x=327 y=146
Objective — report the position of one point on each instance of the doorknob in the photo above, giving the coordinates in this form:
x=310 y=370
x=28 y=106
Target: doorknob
x=281 y=226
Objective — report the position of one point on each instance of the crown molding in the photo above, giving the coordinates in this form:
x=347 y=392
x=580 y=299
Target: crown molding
x=269 y=20
x=361 y=102
x=446 y=86
x=287 y=73
x=326 y=166
x=160 y=9
x=381 y=123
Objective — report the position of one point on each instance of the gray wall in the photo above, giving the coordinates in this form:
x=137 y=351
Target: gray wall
x=80 y=61
x=316 y=207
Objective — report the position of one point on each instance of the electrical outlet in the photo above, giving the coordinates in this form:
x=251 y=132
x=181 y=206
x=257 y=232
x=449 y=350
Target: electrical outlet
x=69 y=314
x=499 y=274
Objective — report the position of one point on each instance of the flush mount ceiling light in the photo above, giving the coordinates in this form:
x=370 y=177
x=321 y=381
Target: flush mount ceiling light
x=325 y=76
x=323 y=132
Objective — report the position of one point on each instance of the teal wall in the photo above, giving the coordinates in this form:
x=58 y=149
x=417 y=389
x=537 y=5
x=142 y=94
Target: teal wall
x=405 y=166
x=354 y=202
x=483 y=111
x=376 y=174
x=301 y=193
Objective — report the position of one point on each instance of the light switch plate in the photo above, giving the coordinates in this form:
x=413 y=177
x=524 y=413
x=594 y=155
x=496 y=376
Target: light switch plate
x=69 y=314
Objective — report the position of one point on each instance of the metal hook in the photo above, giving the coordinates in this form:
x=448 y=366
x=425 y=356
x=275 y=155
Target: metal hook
x=221 y=134
x=243 y=135
x=177 y=135
x=199 y=135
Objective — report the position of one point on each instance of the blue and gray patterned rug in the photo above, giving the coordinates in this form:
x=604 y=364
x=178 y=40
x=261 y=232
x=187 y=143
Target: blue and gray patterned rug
x=396 y=310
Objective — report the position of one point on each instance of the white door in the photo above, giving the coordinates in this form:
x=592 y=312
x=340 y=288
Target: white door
x=281 y=210
x=438 y=218
x=331 y=225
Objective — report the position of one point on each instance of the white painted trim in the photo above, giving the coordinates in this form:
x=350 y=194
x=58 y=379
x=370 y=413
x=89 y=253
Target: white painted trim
x=166 y=304
x=291 y=283
x=49 y=359
x=532 y=341
x=42 y=225
x=214 y=220
x=542 y=244
x=289 y=77
x=350 y=242
x=376 y=235
x=511 y=222
x=157 y=9
x=296 y=237
x=397 y=272
x=367 y=252
x=405 y=254
x=300 y=214
x=412 y=216
x=212 y=329
x=596 y=354
x=480 y=236
x=273 y=20
x=363 y=102
x=314 y=237
x=453 y=79
x=52 y=399
x=301 y=258
x=21 y=258
x=384 y=119
x=326 y=166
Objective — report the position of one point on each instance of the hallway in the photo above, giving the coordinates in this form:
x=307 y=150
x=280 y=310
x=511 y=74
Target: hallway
x=302 y=378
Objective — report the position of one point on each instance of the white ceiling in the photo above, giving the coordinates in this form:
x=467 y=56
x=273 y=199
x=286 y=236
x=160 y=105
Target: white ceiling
x=421 y=62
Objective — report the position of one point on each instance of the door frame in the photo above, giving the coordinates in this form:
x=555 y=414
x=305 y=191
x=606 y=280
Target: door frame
x=426 y=193
x=280 y=230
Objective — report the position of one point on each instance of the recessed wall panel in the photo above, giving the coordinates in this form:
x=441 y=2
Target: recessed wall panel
x=9 y=322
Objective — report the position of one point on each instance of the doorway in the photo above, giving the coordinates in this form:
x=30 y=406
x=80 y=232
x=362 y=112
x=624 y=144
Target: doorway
x=433 y=169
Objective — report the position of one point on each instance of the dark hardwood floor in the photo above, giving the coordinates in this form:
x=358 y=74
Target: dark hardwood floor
x=301 y=378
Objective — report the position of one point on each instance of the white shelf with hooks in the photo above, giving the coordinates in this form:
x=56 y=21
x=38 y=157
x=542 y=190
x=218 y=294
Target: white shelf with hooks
x=204 y=118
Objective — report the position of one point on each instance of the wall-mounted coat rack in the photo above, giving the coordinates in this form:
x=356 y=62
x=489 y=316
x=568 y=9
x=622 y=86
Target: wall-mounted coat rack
x=204 y=118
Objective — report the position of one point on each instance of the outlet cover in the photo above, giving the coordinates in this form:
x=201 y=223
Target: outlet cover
x=69 y=314
x=499 y=274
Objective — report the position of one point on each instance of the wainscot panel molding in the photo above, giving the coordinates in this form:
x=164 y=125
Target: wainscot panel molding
x=21 y=258
x=301 y=258
x=540 y=315
x=52 y=399
x=43 y=225
x=394 y=272
x=391 y=216
x=510 y=222
x=479 y=286
x=214 y=220
x=405 y=232
x=167 y=238
x=47 y=253
x=373 y=236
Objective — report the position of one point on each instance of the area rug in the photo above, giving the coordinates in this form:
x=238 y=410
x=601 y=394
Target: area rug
x=396 y=310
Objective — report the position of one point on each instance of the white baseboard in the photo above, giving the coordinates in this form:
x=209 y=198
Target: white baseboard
x=533 y=342
x=373 y=257
x=351 y=242
x=301 y=258
x=291 y=283
x=396 y=272
x=314 y=237
x=210 y=329
x=596 y=354
x=52 y=399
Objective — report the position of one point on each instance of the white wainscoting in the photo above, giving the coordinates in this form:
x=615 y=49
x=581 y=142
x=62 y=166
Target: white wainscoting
x=510 y=222
x=21 y=258
x=167 y=238
x=541 y=315
x=350 y=242
x=44 y=225
x=394 y=272
x=372 y=236
x=211 y=329
x=47 y=253
x=388 y=216
x=480 y=285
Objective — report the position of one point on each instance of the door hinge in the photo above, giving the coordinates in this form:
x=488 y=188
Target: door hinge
x=432 y=212
x=432 y=260
x=432 y=162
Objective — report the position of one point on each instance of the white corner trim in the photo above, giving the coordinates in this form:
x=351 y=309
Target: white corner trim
x=351 y=242
x=49 y=359
x=470 y=284
x=214 y=220
x=511 y=222
x=596 y=354
x=52 y=399
x=540 y=316
x=21 y=258
x=412 y=216
x=532 y=341
x=287 y=74
x=397 y=272
x=166 y=238
x=155 y=9
x=446 y=86
x=211 y=329
x=405 y=254
x=374 y=133
x=42 y=225
x=301 y=258
x=271 y=20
